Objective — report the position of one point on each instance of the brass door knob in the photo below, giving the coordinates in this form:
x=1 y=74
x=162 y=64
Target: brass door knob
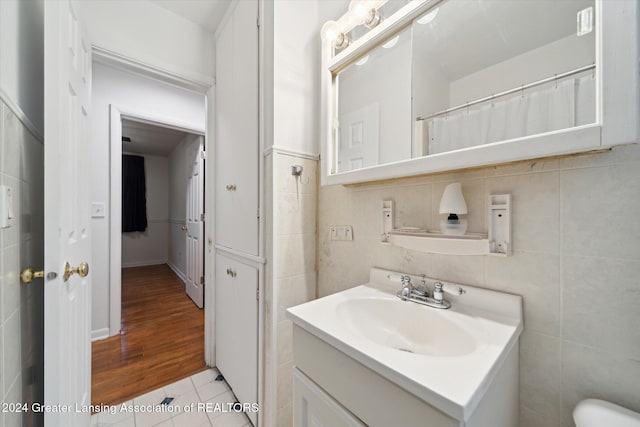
x=82 y=270
x=28 y=275
x=184 y=228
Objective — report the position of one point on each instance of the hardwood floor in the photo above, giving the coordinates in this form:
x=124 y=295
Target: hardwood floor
x=162 y=338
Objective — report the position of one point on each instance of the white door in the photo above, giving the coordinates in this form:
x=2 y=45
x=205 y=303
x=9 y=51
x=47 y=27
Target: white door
x=237 y=328
x=358 y=145
x=67 y=310
x=195 y=246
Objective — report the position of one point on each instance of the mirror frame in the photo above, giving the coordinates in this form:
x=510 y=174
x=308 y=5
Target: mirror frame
x=617 y=108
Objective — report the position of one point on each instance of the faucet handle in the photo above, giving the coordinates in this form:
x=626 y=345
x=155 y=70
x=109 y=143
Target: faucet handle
x=439 y=289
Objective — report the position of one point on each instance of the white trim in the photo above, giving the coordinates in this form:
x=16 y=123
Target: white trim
x=21 y=115
x=199 y=84
x=240 y=256
x=563 y=142
x=176 y=270
x=145 y=263
x=99 y=334
x=289 y=152
x=135 y=115
x=116 y=114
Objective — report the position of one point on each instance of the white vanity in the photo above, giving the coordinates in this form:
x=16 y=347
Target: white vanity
x=363 y=357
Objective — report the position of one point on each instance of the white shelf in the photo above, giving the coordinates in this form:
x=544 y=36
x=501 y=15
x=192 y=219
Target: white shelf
x=442 y=244
x=497 y=242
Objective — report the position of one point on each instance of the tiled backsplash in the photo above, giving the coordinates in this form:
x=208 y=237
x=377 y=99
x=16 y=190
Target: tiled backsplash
x=21 y=245
x=576 y=262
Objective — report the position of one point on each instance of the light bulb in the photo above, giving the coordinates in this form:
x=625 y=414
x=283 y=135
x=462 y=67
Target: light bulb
x=330 y=31
x=391 y=43
x=359 y=9
x=428 y=17
x=363 y=60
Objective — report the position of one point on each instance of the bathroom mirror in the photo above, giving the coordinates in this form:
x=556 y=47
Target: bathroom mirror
x=443 y=85
x=494 y=70
x=374 y=106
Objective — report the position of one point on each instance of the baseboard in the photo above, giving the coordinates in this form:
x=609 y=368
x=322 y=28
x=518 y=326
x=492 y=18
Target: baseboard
x=144 y=263
x=99 y=334
x=179 y=273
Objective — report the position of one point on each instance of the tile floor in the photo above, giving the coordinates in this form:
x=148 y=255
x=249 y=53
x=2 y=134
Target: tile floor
x=208 y=400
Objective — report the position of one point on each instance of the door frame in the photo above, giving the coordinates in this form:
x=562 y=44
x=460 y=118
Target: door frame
x=116 y=115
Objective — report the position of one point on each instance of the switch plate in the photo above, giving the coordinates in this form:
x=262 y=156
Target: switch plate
x=340 y=232
x=97 y=210
x=6 y=206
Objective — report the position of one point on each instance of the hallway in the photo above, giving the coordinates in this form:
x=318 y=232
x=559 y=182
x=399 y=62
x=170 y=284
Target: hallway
x=161 y=340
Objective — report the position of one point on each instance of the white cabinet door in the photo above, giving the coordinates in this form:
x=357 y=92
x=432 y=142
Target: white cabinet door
x=236 y=314
x=237 y=159
x=312 y=407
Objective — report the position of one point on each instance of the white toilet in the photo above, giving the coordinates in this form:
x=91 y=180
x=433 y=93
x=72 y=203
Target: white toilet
x=599 y=413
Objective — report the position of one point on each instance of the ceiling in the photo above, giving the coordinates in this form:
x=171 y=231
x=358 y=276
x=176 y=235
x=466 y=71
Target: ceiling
x=205 y=13
x=150 y=139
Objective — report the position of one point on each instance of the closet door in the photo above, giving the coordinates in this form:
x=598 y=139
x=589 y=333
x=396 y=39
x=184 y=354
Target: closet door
x=237 y=328
x=237 y=153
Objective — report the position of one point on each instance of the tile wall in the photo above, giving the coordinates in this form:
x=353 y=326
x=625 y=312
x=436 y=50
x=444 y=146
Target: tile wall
x=576 y=262
x=21 y=245
x=291 y=271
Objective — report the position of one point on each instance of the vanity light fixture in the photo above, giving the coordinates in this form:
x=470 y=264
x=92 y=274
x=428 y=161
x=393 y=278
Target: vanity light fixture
x=428 y=17
x=452 y=204
x=332 y=33
x=363 y=60
x=365 y=12
x=391 y=43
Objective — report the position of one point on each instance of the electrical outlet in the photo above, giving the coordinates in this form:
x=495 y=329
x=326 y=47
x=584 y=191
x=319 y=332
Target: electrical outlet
x=340 y=232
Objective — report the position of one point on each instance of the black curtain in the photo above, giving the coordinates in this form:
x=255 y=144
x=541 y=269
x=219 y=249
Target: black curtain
x=134 y=194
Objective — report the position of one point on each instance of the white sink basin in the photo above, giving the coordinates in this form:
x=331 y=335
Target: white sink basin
x=598 y=413
x=411 y=328
x=444 y=357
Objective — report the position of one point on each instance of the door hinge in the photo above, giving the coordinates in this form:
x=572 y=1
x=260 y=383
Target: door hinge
x=202 y=280
x=203 y=217
x=257 y=294
x=203 y=155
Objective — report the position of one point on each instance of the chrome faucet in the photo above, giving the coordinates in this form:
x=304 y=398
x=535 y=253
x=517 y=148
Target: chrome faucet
x=420 y=293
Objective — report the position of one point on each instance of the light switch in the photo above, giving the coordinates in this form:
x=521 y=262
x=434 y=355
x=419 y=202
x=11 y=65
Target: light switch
x=6 y=206
x=97 y=210
x=340 y=232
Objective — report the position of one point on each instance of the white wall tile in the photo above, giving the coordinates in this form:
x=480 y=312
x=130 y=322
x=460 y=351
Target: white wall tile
x=286 y=183
x=11 y=359
x=296 y=254
x=540 y=380
x=295 y=290
x=536 y=277
x=530 y=418
x=535 y=202
x=468 y=270
x=13 y=132
x=590 y=373
x=11 y=280
x=295 y=213
x=601 y=211
x=14 y=394
x=601 y=299
x=615 y=156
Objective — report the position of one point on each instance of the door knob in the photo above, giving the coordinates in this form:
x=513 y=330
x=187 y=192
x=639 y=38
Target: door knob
x=183 y=228
x=28 y=275
x=82 y=270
